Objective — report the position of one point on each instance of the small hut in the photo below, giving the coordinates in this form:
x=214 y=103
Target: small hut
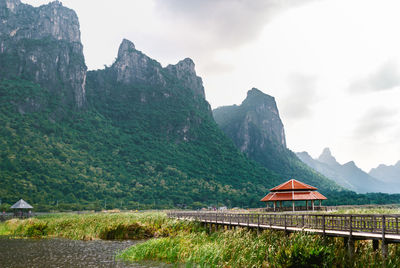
x=22 y=209
x=293 y=190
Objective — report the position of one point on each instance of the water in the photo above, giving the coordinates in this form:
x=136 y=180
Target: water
x=64 y=253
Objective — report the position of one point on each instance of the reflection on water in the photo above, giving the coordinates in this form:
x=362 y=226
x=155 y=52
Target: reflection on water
x=64 y=253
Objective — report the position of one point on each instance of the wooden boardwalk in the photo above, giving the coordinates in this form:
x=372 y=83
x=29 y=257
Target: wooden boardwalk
x=352 y=227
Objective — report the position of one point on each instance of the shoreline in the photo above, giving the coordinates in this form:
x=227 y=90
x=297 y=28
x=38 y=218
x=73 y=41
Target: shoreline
x=186 y=242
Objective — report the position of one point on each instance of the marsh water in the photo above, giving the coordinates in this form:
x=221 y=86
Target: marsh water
x=64 y=253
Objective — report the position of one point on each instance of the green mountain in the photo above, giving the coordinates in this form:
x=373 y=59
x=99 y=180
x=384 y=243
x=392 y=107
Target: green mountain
x=133 y=135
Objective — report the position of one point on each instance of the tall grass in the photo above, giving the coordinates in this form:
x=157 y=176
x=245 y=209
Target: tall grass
x=188 y=243
x=243 y=248
x=367 y=211
x=96 y=226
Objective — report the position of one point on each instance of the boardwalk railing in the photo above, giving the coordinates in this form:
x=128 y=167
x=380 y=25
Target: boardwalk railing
x=374 y=224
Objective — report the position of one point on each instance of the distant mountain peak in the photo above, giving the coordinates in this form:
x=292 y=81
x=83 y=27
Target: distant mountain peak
x=126 y=47
x=350 y=164
x=255 y=95
x=387 y=173
x=255 y=92
x=134 y=67
x=256 y=123
x=185 y=71
x=327 y=157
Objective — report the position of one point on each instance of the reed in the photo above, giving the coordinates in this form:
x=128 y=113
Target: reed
x=96 y=226
x=244 y=248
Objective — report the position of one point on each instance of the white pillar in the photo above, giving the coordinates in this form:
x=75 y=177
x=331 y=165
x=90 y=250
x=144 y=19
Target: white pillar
x=274 y=205
x=293 y=205
x=312 y=204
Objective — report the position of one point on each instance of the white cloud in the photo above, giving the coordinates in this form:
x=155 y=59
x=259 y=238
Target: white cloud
x=386 y=77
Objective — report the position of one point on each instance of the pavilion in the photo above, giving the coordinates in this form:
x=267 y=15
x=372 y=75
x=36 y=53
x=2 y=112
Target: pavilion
x=21 y=209
x=293 y=190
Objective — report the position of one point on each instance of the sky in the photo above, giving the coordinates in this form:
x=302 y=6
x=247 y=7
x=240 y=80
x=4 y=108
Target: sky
x=333 y=66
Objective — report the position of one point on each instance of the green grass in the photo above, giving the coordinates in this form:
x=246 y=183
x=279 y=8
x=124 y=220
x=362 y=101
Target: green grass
x=188 y=243
x=367 y=211
x=243 y=248
x=96 y=226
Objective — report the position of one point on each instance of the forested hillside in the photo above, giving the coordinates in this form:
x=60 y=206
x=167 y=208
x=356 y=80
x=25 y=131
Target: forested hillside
x=133 y=135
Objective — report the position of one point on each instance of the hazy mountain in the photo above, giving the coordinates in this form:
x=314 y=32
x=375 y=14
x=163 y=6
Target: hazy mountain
x=347 y=175
x=390 y=174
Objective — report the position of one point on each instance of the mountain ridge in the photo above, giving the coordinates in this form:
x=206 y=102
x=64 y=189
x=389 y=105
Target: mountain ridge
x=133 y=135
x=348 y=175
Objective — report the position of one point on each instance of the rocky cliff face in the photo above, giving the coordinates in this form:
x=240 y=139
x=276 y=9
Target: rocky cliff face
x=143 y=87
x=256 y=129
x=43 y=45
x=255 y=124
x=134 y=67
x=185 y=72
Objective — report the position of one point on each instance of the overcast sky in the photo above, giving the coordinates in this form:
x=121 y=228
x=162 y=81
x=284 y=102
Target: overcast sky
x=332 y=65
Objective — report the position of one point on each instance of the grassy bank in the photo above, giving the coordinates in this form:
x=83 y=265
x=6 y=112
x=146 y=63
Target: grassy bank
x=243 y=248
x=97 y=226
x=189 y=243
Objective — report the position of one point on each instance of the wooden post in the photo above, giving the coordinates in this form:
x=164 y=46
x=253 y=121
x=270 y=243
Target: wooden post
x=375 y=245
x=384 y=243
x=323 y=225
x=258 y=223
x=306 y=204
x=351 y=226
x=285 y=224
x=350 y=245
x=312 y=204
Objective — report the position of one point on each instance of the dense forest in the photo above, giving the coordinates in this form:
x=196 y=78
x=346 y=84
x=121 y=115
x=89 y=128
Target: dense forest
x=85 y=160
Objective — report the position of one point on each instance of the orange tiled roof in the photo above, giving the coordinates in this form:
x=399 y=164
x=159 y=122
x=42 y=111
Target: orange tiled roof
x=292 y=185
x=293 y=195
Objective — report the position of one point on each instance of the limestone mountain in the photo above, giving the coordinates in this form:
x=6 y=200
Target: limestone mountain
x=43 y=45
x=132 y=135
x=257 y=130
x=146 y=137
x=388 y=174
x=142 y=89
x=348 y=175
